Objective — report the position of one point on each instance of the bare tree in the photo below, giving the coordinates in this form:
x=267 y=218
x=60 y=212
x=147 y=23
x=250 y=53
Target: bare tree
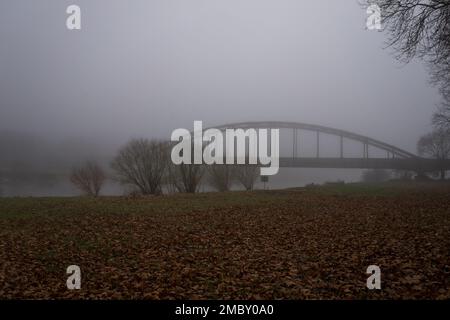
x=441 y=79
x=404 y=175
x=418 y=28
x=221 y=177
x=142 y=163
x=247 y=175
x=185 y=177
x=89 y=178
x=435 y=144
x=421 y=28
x=375 y=176
x=441 y=119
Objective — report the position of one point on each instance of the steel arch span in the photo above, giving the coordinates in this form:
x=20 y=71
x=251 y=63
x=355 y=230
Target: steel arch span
x=320 y=129
x=397 y=158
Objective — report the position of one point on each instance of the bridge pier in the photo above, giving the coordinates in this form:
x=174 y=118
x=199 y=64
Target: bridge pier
x=317 y=145
x=294 y=143
x=366 y=150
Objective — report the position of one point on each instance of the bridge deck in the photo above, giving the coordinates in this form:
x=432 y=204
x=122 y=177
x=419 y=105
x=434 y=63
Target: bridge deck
x=413 y=164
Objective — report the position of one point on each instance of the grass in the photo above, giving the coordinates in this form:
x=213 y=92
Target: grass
x=50 y=206
x=27 y=207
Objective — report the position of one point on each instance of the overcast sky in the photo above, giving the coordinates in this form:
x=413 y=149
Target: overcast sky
x=147 y=67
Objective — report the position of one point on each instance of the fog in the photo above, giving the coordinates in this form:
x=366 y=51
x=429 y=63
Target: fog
x=144 y=68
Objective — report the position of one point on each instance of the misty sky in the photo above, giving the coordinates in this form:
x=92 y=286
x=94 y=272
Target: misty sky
x=147 y=67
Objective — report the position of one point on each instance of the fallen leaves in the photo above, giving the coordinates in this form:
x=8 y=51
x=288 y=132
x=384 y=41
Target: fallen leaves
x=260 y=245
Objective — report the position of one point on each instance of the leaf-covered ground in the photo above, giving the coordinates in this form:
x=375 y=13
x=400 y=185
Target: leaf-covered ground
x=294 y=244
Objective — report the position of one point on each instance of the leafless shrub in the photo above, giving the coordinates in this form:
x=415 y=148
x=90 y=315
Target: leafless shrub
x=375 y=176
x=142 y=163
x=247 y=175
x=185 y=177
x=404 y=175
x=88 y=178
x=221 y=177
x=435 y=144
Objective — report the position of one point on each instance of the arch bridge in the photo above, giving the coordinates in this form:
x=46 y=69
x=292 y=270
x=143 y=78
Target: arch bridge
x=396 y=158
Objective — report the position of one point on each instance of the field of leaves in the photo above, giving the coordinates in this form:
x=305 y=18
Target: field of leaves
x=311 y=243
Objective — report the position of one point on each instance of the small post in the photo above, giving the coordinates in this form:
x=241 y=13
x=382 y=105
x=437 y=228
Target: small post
x=264 y=180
